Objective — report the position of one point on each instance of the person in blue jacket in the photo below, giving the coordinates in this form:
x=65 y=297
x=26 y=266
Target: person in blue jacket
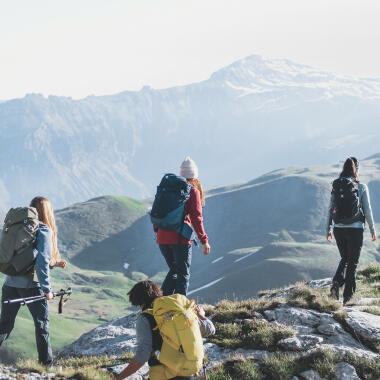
x=35 y=283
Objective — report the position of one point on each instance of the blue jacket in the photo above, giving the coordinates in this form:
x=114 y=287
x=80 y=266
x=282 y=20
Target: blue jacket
x=42 y=253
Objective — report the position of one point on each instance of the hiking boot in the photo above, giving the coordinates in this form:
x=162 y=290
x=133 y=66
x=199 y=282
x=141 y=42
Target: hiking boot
x=346 y=300
x=334 y=291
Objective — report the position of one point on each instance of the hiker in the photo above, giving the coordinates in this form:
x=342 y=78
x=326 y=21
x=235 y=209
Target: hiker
x=349 y=208
x=35 y=283
x=174 y=245
x=147 y=295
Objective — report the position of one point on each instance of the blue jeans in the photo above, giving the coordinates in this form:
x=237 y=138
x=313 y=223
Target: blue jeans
x=178 y=258
x=40 y=314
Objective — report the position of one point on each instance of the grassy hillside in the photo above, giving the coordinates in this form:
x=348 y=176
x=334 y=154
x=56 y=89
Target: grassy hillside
x=265 y=233
x=276 y=220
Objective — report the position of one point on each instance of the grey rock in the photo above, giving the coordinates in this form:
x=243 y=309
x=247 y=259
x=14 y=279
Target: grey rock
x=345 y=371
x=365 y=325
x=111 y=338
x=217 y=355
x=300 y=342
x=310 y=375
x=322 y=283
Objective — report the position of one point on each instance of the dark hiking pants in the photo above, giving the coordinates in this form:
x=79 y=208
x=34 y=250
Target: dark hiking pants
x=178 y=258
x=40 y=314
x=349 y=242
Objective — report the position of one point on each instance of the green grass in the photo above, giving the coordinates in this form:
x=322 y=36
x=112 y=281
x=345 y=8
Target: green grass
x=80 y=368
x=229 y=311
x=130 y=203
x=372 y=310
x=284 y=366
x=251 y=334
x=308 y=298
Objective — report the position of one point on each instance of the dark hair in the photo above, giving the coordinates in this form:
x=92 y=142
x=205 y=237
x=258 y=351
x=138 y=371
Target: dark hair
x=350 y=169
x=144 y=293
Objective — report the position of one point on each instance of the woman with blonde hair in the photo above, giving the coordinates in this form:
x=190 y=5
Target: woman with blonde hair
x=35 y=283
x=176 y=249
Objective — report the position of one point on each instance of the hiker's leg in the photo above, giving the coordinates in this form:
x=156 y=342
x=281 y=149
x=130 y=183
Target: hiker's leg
x=342 y=243
x=168 y=286
x=354 y=249
x=8 y=312
x=40 y=313
x=182 y=259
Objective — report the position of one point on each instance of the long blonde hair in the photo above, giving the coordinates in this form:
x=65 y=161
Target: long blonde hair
x=46 y=216
x=195 y=182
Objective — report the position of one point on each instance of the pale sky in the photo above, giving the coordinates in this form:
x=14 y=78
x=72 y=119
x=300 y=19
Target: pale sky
x=94 y=47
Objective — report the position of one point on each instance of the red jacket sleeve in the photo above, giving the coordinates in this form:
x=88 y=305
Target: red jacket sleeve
x=194 y=209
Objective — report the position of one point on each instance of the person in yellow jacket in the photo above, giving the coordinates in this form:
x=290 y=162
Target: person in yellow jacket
x=149 y=340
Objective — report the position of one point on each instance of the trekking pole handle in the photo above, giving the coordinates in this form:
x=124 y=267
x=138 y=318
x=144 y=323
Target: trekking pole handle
x=63 y=292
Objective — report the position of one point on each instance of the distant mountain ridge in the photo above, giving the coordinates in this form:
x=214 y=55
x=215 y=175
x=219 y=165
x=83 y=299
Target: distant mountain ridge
x=246 y=119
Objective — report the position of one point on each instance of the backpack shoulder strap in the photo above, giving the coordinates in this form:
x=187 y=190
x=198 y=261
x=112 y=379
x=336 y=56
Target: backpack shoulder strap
x=156 y=336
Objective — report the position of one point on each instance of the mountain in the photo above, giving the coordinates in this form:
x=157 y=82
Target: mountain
x=246 y=119
x=264 y=233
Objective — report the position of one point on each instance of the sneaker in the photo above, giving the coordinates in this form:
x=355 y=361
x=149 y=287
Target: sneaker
x=334 y=292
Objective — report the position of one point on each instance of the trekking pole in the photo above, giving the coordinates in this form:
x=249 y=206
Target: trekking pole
x=24 y=301
x=28 y=300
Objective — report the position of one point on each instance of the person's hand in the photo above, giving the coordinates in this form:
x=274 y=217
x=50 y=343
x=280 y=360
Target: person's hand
x=329 y=238
x=206 y=249
x=200 y=312
x=61 y=264
x=374 y=237
x=49 y=296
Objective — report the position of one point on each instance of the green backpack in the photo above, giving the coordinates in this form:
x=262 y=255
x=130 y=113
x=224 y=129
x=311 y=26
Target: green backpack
x=17 y=241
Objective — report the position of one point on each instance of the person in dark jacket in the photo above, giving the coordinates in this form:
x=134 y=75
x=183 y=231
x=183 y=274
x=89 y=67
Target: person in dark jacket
x=176 y=249
x=349 y=237
x=143 y=294
x=36 y=283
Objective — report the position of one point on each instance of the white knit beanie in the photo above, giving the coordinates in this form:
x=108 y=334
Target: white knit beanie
x=189 y=169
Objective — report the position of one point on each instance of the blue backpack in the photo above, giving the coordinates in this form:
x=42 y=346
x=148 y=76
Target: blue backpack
x=168 y=210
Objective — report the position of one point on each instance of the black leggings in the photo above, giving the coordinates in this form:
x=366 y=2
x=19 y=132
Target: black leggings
x=349 y=242
x=40 y=314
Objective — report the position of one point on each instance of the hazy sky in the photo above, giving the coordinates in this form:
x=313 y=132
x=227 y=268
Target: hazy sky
x=82 y=47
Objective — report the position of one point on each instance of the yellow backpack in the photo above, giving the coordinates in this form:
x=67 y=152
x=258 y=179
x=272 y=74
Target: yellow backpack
x=182 y=348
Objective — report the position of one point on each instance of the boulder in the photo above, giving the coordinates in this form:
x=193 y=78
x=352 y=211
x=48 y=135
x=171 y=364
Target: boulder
x=112 y=338
x=300 y=342
x=365 y=325
x=345 y=371
x=310 y=375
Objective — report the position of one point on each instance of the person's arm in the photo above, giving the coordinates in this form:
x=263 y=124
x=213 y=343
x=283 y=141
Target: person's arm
x=133 y=367
x=44 y=248
x=205 y=325
x=329 y=219
x=194 y=208
x=367 y=209
x=144 y=348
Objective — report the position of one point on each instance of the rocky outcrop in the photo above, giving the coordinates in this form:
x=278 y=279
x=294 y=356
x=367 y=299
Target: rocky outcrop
x=313 y=330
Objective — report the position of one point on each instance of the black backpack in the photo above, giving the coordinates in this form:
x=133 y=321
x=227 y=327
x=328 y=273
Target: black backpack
x=346 y=201
x=168 y=210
